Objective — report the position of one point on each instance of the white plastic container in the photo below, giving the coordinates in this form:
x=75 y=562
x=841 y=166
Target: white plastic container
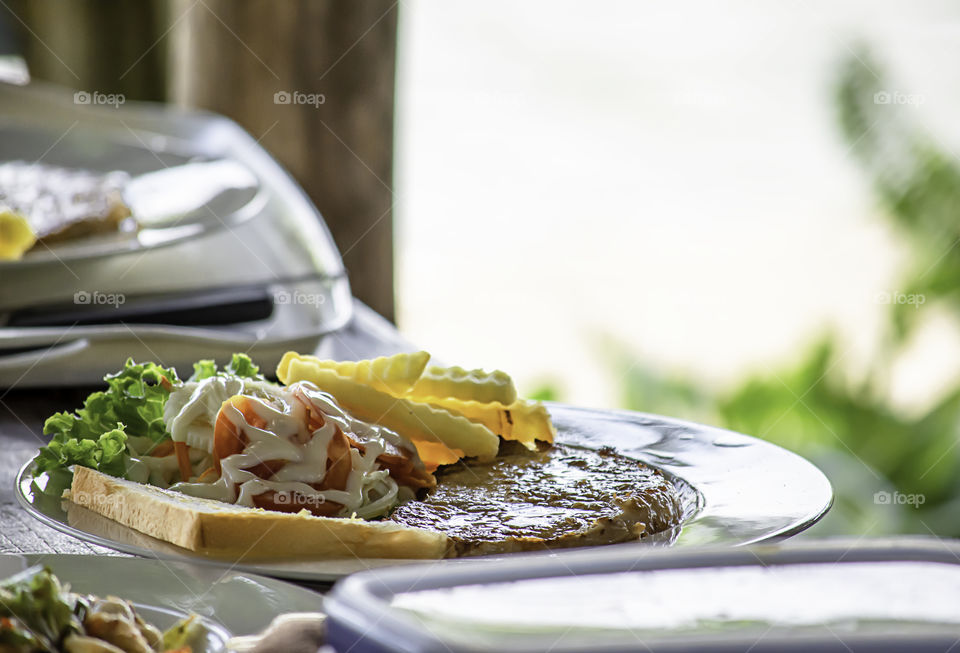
x=890 y=596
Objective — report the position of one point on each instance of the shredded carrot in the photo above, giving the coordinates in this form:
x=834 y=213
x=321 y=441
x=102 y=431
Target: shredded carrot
x=183 y=460
x=207 y=473
x=165 y=448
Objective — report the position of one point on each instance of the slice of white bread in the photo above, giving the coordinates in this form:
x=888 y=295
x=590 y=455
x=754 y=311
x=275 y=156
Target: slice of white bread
x=223 y=530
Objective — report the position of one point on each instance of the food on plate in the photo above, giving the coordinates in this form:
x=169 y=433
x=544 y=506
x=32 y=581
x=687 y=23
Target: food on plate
x=228 y=531
x=560 y=497
x=390 y=457
x=41 y=204
x=38 y=614
x=449 y=415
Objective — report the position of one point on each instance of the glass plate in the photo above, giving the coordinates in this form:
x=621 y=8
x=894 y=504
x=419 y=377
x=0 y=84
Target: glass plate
x=735 y=490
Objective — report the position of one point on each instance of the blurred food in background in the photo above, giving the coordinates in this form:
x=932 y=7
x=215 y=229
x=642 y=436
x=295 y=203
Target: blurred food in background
x=41 y=204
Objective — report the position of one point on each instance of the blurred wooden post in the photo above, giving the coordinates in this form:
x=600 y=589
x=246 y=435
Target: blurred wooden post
x=95 y=45
x=236 y=57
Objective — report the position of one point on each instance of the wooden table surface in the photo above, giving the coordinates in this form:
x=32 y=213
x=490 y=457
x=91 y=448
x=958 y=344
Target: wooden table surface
x=22 y=413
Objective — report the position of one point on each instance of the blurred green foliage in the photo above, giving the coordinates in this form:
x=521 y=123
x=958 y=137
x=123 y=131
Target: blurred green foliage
x=545 y=392
x=816 y=407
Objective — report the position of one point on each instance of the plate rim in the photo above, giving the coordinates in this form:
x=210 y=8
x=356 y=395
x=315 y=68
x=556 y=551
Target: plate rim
x=677 y=471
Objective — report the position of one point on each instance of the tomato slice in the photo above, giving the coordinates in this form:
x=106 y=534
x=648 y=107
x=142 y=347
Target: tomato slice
x=228 y=438
x=339 y=462
x=267 y=468
x=315 y=418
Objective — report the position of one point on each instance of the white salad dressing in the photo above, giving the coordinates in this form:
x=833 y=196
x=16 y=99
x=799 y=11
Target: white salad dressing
x=145 y=467
x=192 y=410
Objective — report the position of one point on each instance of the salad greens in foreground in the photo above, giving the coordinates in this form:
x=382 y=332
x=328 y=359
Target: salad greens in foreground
x=36 y=611
x=39 y=613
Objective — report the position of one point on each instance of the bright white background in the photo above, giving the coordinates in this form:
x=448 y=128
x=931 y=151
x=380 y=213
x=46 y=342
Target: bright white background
x=668 y=175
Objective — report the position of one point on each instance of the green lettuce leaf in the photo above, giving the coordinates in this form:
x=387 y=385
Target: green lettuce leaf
x=203 y=369
x=40 y=612
x=135 y=398
x=108 y=453
x=240 y=365
x=96 y=435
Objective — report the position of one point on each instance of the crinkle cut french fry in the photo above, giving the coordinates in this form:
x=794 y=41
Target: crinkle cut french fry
x=522 y=421
x=412 y=420
x=434 y=454
x=468 y=385
x=395 y=375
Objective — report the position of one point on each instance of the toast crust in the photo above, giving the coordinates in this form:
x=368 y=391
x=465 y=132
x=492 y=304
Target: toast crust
x=222 y=530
